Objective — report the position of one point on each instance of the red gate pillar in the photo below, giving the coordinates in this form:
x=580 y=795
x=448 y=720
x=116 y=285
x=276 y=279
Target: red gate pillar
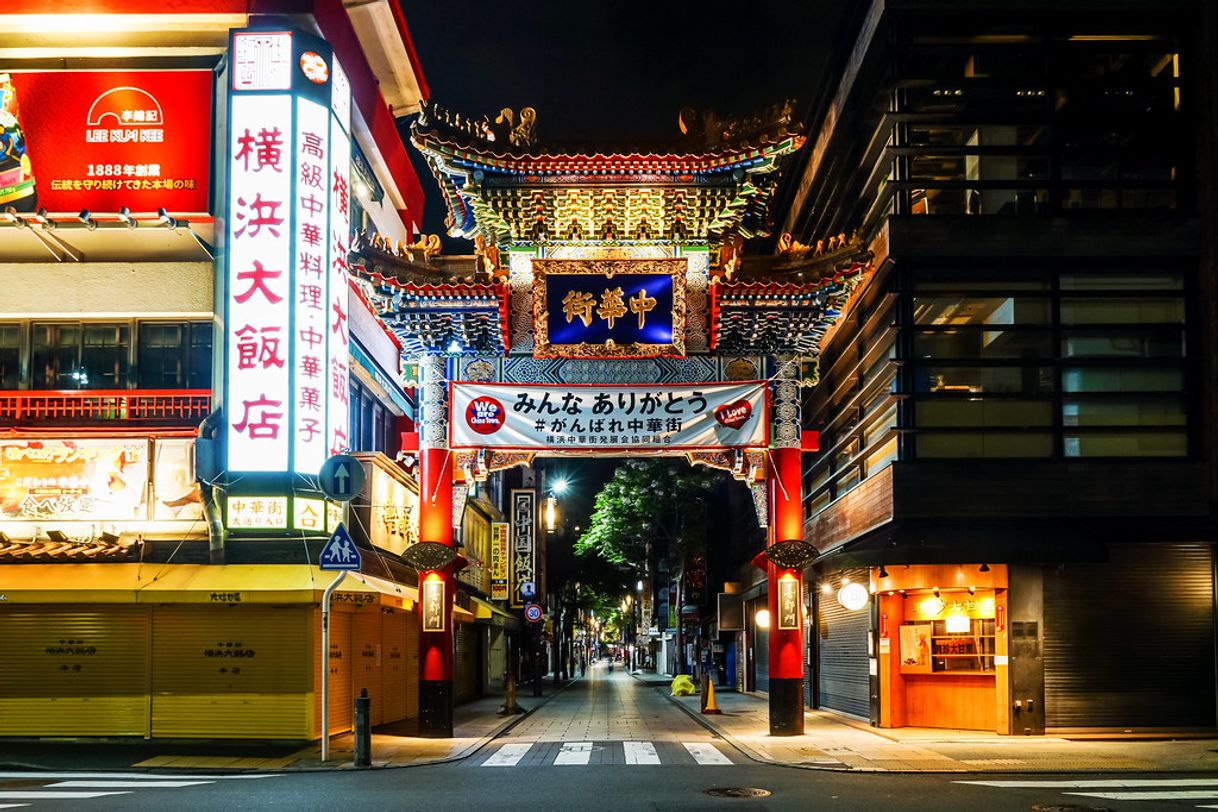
x=436 y=587
x=785 y=601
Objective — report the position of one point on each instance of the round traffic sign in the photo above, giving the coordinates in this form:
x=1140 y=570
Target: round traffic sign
x=341 y=477
x=532 y=612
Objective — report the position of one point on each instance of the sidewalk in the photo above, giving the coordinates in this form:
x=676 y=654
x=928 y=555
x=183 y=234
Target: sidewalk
x=831 y=742
x=474 y=724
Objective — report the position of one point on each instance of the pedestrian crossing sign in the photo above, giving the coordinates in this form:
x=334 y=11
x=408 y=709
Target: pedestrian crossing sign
x=340 y=552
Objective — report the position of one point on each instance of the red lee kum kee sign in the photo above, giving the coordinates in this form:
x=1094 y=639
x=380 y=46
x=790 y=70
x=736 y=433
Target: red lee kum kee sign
x=102 y=140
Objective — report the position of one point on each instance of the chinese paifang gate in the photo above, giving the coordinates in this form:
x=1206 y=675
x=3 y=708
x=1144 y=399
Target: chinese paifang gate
x=609 y=312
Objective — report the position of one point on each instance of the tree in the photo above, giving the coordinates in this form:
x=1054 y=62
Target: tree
x=648 y=503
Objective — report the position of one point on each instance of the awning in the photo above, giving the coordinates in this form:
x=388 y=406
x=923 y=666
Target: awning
x=193 y=583
x=69 y=583
x=487 y=611
x=462 y=615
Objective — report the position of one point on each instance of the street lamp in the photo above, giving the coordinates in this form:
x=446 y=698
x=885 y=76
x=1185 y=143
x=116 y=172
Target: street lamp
x=560 y=486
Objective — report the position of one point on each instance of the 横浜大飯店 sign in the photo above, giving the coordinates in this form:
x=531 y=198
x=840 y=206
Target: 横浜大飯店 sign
x=645 y=417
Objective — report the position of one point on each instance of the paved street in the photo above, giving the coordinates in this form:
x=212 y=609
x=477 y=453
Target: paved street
x=592 y=746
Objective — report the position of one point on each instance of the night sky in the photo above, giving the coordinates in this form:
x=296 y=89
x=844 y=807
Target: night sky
x=602 y=73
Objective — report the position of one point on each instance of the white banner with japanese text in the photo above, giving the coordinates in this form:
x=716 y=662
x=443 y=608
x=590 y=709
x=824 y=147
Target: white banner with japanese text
x=600 y=417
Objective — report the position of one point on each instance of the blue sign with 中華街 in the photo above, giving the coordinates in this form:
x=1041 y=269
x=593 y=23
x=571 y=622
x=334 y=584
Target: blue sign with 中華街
x=627 y=308
x=609 y=308
x=339 y=552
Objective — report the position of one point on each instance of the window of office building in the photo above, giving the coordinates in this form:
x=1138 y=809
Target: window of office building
x=1036 y=124
x=1090 y=363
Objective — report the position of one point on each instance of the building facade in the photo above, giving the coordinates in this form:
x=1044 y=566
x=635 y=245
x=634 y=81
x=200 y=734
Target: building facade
x=1013 y=501
x=142 y=591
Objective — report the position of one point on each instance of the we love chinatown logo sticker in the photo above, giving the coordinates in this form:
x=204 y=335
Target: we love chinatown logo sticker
x=485 y=415
x=655 y=417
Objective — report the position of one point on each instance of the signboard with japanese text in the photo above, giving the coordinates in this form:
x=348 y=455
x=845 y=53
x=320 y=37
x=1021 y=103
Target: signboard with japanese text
x=288 y=225
x=393 y=522
x=257 y=512
x=98 y=480
x=594 y=308
x=102 y=140
x=499 y=561
x=600 y=417
x=523 y=544
x=431 y=594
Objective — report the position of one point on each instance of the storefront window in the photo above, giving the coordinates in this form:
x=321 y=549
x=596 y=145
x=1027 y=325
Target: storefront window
x=76 y=356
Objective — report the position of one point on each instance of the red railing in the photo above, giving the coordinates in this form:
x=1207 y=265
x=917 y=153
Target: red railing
x=172 y=406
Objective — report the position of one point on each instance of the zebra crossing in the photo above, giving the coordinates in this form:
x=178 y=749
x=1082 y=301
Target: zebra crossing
x=1122 y=789
x=28 y=789
x=597 y=753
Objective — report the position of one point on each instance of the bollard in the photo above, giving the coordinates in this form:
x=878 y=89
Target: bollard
x=363 y=732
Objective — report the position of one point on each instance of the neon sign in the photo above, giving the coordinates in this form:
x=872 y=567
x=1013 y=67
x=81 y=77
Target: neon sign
x=288 y=225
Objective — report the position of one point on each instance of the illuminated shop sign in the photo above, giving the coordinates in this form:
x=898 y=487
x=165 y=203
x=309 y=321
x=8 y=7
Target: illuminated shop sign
x=596 y=307
x=288 y=224
x=98 y=480
x=499 y=561
x=103 y=140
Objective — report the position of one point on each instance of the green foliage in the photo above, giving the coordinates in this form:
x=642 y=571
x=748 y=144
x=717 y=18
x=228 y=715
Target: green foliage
x=646 y=500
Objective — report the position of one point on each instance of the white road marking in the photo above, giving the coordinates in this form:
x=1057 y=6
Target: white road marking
x=1115 y=783
x=706 y=753
x=1166 y=795
x=131 y=776
x=127 y=784
x=35 y=795
x=12 y=806
x=509 y=755
x=573 y=753
x=640 y=753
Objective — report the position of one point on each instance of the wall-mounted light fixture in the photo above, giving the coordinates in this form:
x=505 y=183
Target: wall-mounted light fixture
x=852 y=597
x=762 y=618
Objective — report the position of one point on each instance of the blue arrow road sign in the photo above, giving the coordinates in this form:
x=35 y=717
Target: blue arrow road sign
x=340 y=552
x=341 y=477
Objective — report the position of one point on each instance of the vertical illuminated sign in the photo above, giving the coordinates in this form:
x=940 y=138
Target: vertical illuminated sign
x=311 y=298
x=288 y=225
x=340 y=230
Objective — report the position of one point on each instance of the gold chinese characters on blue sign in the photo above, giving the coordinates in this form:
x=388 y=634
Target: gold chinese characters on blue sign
x=609 y=308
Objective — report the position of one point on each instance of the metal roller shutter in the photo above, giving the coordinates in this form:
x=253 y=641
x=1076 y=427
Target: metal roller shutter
x=412 y=665
x=845 y=681
x=74 y=672
x=231 y=672
x=339 y=662
x=393 y=652
x=466 y=662
x=366 y=659
x=1130 y=642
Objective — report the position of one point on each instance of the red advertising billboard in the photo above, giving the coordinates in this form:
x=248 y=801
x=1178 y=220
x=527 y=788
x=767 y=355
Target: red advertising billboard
x=102 y=140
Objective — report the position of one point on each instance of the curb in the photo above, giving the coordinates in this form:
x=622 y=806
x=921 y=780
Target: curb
x=845 y=768
x=505 y=725
x=749 y=752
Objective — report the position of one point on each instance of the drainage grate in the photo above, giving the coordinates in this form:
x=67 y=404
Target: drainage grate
x=1068 y=808
x=737 y=792
x=998 y=762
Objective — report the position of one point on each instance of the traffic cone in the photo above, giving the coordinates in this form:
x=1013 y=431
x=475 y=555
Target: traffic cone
x=710 y=699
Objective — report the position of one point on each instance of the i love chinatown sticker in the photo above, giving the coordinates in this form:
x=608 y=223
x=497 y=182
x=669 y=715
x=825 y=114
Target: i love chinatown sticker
x=734 y=415
x=485 y=415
